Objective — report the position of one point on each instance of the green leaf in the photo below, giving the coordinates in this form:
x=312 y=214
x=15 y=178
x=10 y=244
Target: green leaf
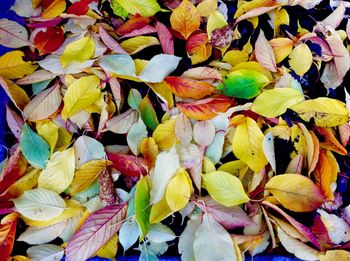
x=134 y=99
x=142 y=201
x=225 y=188
x=34 y=148
x=143 y=7
x=243 y=83
x=118 y=9
x=148 y=114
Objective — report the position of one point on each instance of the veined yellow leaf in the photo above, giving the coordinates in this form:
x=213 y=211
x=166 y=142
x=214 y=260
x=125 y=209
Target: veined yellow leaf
x=138 y=43
x=109 y=250
x=12 y=65
x=326 y=112
x=300 y=59
x=225 y=188
x=295 y=192
x=247 y=144
x=86 y=174
x=53 y=10
x=80 y=94
x=160 y=211
x=143 y=7
x=272 y=103
x=49 y=131
x=185 y=18
x=215 y=21
x=164 y=134
x=179 y=190
x=80 y=51
x=59 y=171
x=17 y=95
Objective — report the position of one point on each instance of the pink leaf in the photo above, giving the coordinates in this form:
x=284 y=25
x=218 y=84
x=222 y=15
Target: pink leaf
x=340 y=53
x=128 y=165
x=116 y=91
x=229 y=217
x=110 y=42
x=304 y=230
x=14 y=121
x=147 y=29
x=97 y=230
x=264 y=53
x=348 y=29
x=165 y=38
x=335 y=18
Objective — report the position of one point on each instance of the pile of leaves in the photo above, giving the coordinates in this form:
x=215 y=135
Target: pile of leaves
x=209 y=129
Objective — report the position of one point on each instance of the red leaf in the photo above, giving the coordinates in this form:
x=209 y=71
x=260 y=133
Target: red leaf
x=165 y=38
x=205 y=109
x=187 y=88
x=127 y=164
x=78 y=8
x=135 y=22
x=7 y=235
x=49 y=41
x=97 y=230
x=196 y=41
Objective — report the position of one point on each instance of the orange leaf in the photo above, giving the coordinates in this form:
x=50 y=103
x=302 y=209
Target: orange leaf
x=326 y=173
x=185 y=19
x=330 y=142
x=53 y=8
x=199 y=48
x=187 y=88
x=205 y=109
x=7 y=235
x=134 y=23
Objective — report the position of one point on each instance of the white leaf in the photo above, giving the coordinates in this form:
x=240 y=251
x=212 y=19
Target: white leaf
x=166 y=166
x=335 y=18
x=87 y=149
x=12 y=34
x=121 y=123
x=187 y=237
x=71 y=227
x=41 y=235
x=214 y=150
x=136 y=134
x=296 y=247
x=183 y=129
x=159 y=233
x=264 y=53
x=47 y=252
x=159 y=67
x=204 y=132
x=269 y=150
x=212 y=242
x=53 y=64
x=40 y=204
x=129 y=233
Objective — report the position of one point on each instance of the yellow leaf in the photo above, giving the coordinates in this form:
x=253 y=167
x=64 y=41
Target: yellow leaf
x=185 y=19
x=215 y=21
x=254 y=66
x=54 y=9
x=86 y=174
x=12 y=66
x=335 y=255
x=206 y=7
x=27 y=182
x=80 y=94
x=234 y=167
x=326 y=173
x=179 y=190
x=326 y=112
x=109 y=250
x=300 y=59
x=159 y=211
x=225 y=188
x=272 y=103
x=149 y=150
x=59 y=171
x=247 y=144
x=282 y=18
x=79 y=51
x=138 y=43
x=235 y=57
x=164 y=135
x=49 y=131
x=295 y=192
x=281 y=47
x=17 y=95
x=163 y=92
x=143 y=7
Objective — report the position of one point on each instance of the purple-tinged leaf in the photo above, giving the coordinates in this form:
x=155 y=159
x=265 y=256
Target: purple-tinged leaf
x=264 y=53
x=97 y=230
x=165 y=38
x=147 y=29
x=15 y=122
x=110 y=42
